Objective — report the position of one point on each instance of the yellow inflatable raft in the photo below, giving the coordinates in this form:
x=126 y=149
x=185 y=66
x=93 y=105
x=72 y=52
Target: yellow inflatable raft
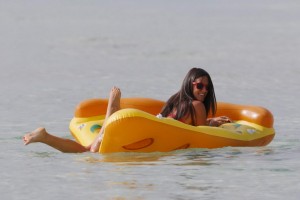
x=136 y=128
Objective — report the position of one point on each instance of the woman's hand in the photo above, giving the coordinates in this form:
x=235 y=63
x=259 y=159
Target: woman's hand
x=218 y=121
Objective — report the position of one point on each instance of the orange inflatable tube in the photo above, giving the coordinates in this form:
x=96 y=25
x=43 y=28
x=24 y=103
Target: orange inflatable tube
x=136 y=128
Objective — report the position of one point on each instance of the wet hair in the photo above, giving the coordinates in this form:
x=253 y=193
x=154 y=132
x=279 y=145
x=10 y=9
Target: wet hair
x=182 y=101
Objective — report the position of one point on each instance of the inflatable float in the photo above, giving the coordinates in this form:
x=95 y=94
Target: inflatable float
x=135 y=128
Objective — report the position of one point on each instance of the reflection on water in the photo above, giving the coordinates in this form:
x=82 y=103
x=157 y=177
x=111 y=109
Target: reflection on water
x=44 y=154
x=264 y=151
x=128 y=158
x=132 y=184
x=186 y=157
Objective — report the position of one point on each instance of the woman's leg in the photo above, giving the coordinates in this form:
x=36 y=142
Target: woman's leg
x=71 y=146
x=61 y=144
x=112 y=107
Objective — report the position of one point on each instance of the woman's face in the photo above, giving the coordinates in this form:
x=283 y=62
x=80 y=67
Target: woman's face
x=200 y=88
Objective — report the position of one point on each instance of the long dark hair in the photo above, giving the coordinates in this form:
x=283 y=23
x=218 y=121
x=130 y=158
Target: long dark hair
x=182 y=101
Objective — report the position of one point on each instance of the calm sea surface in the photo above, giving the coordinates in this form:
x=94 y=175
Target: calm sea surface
x=54 y=54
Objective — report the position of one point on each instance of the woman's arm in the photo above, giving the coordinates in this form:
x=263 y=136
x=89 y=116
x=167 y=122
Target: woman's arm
x=218 y=121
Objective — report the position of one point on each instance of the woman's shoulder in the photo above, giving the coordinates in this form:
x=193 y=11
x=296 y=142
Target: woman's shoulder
x=200 y=112
x=199 y=106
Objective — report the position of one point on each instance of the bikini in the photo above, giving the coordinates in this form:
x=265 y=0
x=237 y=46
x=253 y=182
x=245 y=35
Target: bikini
x=172 y=115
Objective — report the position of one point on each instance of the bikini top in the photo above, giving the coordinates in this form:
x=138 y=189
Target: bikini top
x=172 y=115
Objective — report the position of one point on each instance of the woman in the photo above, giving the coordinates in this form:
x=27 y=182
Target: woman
x=191 y=105
x=194 y=101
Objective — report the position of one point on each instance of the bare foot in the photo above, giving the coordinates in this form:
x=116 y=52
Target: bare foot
x=113 y=106
x=113 y=101
x=38 y=135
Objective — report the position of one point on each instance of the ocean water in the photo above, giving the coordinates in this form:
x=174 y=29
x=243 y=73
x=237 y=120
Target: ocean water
x=55 y=54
